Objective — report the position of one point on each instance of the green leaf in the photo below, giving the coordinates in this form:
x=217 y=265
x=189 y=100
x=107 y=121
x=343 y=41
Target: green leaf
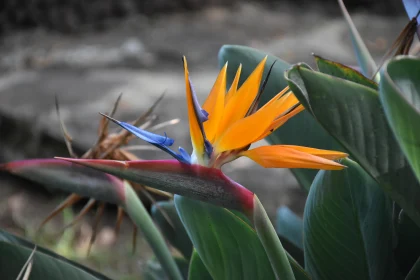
x=302 y=129
x=352 y=113
x=154 y=271
x=364 y=58
x=173 y=230
x=348 y=227
x=14 y=252
x=271 y=242
x=228 y=247
x=400 y=96
x=198 y=270
x=342 y=71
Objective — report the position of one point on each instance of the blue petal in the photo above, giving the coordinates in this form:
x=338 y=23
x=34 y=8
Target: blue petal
x=162 y=142
x=183 y=153
x=180 y=157
x=208 y=147
x=147 y=136
x=206 y=114
x=201 y=114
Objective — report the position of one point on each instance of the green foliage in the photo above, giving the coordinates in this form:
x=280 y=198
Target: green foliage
x=400 y=95
x=353 y=114
x=15 y=251
x=348 y=227
x=342 y=71
x=228 y=246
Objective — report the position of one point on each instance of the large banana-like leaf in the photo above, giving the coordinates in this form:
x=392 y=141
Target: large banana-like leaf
x=353 y=114
x=302 y=129
x=228 y=246
x=14 y=252
x=348 y=227
x=400 y=96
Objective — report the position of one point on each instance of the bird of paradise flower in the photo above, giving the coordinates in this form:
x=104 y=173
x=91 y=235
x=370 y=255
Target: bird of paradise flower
x=221 y=131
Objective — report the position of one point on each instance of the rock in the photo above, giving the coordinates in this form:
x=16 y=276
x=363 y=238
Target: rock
x=142 y=60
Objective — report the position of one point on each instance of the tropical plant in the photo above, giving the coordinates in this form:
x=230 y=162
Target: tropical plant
x=362 y=215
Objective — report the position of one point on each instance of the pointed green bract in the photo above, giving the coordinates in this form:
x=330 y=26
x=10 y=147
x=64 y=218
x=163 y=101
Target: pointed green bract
x=14 y=252
x=271 y=243
x=348 y=227
x=364 y=58
x=342 y=71
x=194 y=181
x=352 y=113
x=68 y=177
x=300 y=130
x=229 y=247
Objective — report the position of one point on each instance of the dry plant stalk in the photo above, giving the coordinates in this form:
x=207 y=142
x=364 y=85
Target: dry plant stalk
x=111 y=146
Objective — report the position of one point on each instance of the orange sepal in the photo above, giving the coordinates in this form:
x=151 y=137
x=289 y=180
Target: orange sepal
x=247 y=130
x=278 y=156
x=234 y=87
x=239 y=103
x=197 y=138
x=214 y=105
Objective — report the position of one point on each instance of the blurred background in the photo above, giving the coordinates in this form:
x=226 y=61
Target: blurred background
x=88 y=52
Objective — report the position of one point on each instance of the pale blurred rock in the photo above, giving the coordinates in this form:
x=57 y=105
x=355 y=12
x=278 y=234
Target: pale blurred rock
x=142 y=60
